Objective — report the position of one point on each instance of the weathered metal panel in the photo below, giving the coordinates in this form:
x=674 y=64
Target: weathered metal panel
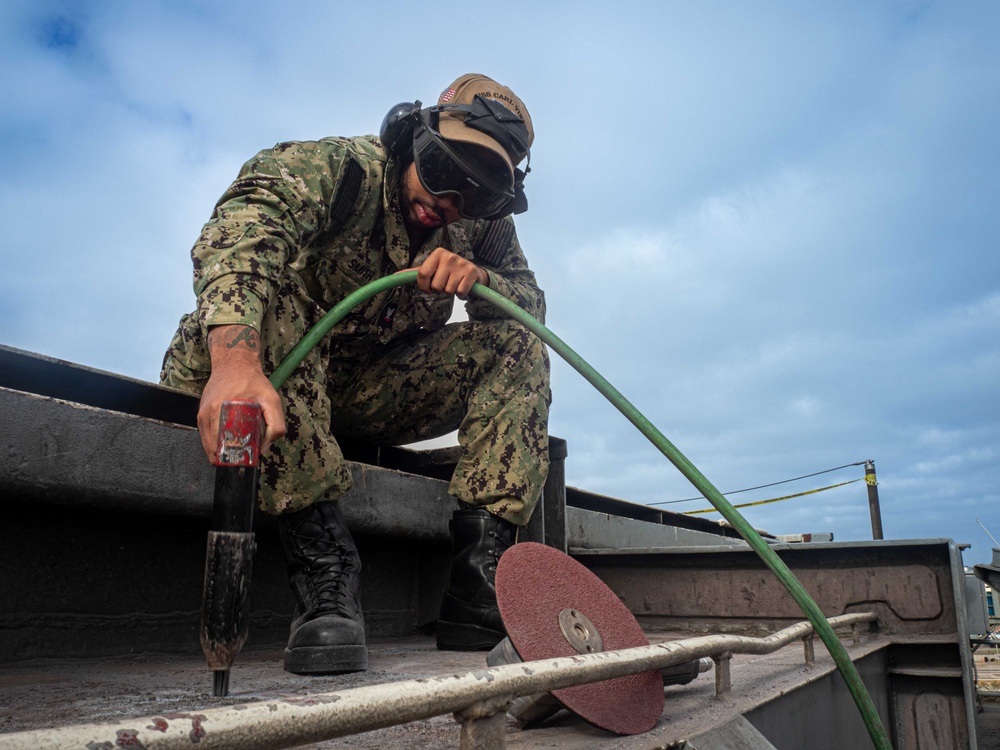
x=977 y=618
x=822 y=715
x=592 y=530
x=103 y=528
x=737 y=734
x=584 y=500
x=909 y=584
x=56 y=452
x=915 y=587
x=56 y=378
x=90 y=582
x=929 y=714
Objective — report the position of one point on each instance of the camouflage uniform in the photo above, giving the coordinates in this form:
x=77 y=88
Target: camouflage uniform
x=304 y=225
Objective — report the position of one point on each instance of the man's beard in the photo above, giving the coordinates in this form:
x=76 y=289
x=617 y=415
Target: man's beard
x=404 y=199
x=401 y=200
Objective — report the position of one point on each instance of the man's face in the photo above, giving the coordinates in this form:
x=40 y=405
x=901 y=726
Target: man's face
x=423 y=210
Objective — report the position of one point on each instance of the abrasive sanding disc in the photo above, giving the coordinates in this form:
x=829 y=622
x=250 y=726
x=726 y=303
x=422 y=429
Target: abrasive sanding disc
x=550 y=604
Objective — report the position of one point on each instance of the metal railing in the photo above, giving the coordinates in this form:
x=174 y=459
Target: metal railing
x=477 y=699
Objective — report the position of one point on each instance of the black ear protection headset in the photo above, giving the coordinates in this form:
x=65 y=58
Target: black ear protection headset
x=399 y=126
x=404 y=122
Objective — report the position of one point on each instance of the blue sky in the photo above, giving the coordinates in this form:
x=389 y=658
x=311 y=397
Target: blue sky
x=773 y=226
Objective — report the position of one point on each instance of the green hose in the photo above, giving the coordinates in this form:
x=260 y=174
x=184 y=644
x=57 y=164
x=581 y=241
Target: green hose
x=860 y=694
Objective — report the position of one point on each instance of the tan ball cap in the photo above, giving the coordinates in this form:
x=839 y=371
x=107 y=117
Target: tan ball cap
x=464 y=91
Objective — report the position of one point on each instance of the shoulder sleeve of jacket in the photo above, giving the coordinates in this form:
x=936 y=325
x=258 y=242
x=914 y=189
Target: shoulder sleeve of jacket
x=282 y=198
x=495 y=247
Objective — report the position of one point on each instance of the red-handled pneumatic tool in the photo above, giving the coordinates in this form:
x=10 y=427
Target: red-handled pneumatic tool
x=225 y=605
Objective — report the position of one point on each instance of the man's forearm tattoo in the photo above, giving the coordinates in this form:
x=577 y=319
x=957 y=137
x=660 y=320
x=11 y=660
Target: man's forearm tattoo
x=247 y=336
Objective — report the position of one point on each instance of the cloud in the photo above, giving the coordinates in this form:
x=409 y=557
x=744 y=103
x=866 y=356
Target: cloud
x=772 y=228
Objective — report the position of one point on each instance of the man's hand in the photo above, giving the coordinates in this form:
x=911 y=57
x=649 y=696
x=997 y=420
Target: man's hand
x=237 y=375
x=447 y=273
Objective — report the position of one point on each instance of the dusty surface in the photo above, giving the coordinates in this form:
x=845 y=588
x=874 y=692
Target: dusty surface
x=988 y=680
x=43 y=694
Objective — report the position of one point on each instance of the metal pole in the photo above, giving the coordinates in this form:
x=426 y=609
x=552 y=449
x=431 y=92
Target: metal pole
x=873 y=506
x=479 y=698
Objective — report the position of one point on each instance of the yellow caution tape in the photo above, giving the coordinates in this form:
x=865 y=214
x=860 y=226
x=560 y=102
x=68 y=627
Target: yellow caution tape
x=870 y=480
x=775 y=499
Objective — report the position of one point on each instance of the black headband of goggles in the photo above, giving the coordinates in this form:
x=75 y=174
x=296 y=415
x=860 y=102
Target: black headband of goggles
x=495 y=120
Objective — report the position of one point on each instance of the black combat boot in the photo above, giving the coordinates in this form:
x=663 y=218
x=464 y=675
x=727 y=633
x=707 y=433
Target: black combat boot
x=328 y=632
x=470 y=619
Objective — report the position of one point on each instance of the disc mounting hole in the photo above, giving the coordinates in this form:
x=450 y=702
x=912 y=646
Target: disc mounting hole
x=579 y=631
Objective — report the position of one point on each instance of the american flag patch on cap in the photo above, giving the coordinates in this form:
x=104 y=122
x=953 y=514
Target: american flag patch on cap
x=446 y=95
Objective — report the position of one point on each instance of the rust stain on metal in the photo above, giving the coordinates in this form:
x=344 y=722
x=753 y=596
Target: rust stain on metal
x=128 y=738
x=198 y=732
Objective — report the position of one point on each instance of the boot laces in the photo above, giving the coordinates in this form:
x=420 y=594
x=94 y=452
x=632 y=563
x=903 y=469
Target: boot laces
x=326 y=574
x=329 y=586
x=498 y=545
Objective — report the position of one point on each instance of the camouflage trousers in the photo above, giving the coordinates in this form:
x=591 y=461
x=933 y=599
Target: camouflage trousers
x=489 y=379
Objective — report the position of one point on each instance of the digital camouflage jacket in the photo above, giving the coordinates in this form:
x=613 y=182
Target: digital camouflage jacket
x=325 y=214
